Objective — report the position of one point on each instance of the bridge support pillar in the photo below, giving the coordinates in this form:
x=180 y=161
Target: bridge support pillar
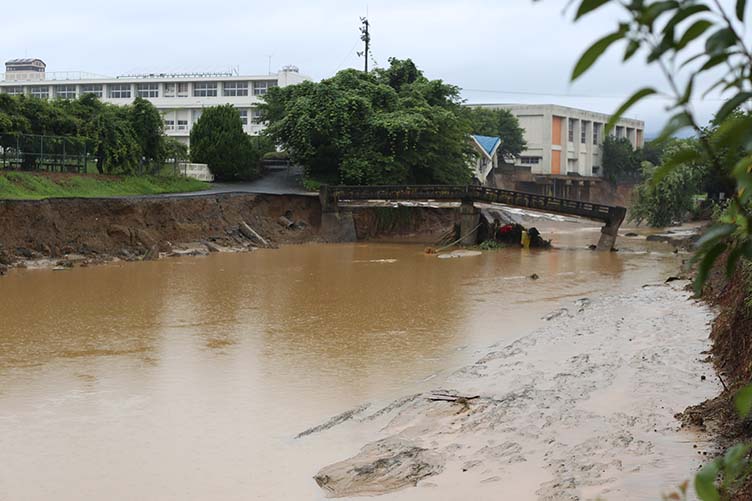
x=611 y=230
x=469 y=219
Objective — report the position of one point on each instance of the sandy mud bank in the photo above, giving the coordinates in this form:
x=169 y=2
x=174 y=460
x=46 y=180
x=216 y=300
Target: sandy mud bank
x=581 y=408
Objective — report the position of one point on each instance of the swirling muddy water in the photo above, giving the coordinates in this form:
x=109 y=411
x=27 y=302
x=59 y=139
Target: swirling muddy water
x=189 y=378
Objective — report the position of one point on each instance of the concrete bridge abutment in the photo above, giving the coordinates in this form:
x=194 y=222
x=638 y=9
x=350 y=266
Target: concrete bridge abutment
x=469 y=221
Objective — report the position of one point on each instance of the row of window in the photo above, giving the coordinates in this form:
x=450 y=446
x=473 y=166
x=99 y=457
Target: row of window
x=171 y=124
x=530 y=160
x=150 y=90
x=618 y=132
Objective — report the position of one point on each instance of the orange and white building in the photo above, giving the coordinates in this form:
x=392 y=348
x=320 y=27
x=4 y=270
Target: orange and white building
x=566 y=141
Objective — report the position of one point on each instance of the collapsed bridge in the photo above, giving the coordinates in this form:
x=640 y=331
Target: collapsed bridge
x=468 y=195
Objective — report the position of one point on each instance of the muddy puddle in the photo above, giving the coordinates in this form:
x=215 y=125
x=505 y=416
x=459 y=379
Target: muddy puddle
x=189 y=378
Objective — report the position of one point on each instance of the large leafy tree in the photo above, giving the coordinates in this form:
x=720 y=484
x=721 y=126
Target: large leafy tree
x=149 y=128
x=218 y=139
x=621 y=163
x=390 y=126
x=119 y=137
x=499 y=123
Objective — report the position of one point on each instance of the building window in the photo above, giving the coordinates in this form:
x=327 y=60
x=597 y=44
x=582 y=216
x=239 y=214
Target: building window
x=169 y=90
x=235 y=88
x=255 y=116
x=205 y=89
x=169 y=124
x=596 y=134
x=182 y=124
x=571 y=130
x=147 y=90
x=13 y=91
x=65 y=92
x=261 y=88
x=120 y=91
x=530 y=160
x=183 y=89
x=92 y=89
x=596 y=170
x=40 y=92
x=244 y=117
x=583 y=133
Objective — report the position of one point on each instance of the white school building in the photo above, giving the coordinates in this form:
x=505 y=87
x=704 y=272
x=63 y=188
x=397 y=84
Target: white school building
x=179 y=97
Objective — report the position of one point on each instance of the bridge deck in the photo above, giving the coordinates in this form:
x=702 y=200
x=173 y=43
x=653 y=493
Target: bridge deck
x=611 y=215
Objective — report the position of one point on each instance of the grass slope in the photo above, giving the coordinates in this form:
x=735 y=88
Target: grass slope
x=34 y=186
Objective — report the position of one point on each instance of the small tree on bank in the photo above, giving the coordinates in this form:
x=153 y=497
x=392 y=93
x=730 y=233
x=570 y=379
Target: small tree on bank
x=218 y=140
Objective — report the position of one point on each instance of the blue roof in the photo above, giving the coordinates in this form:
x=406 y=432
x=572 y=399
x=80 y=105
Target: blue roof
x=488 y=143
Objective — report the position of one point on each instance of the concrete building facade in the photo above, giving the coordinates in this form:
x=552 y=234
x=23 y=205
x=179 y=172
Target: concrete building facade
x=180 y=98
x=563 y=141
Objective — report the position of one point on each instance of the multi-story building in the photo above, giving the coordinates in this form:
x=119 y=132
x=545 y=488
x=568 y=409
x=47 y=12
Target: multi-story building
x=180 y=98
x=566 y=141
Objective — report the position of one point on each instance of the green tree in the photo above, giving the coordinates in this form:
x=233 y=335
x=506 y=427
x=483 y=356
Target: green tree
x=621 y=163
x=218 y=139
x=670 y=200
x=390 y=126
x=499 y=123
x=148 y=125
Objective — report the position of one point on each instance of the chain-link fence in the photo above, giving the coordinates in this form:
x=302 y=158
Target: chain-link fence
x=48 y=153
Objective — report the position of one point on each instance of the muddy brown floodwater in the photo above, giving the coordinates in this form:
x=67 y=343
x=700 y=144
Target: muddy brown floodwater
x=188 y=378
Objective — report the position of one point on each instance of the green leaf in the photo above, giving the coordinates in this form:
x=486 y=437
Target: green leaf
x=631 y=49
x=716 y=232
x=637 y=96
x=655 y=9
x=732 y=104
x=740 y=6
x=686 y=12
x=695 y=30
x=718 y=42
x=594 y=52
x=589 y=6
x=706 y=264
x=681 y=157
x=743 y=401
x=676 y=123
x=705 y=482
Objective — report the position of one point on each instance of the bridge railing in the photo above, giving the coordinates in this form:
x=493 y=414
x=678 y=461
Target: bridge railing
x=330 y=195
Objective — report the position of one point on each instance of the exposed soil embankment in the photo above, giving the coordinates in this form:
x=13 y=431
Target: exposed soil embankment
x=731 y=354
x=74 y=230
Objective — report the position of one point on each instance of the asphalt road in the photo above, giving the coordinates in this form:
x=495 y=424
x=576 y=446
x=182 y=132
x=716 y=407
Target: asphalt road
x=284 y=181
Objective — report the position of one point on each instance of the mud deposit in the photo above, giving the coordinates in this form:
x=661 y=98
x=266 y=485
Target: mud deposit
x=581 y=408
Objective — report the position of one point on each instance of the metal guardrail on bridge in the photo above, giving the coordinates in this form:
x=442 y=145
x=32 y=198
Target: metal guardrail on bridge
x=611 y=215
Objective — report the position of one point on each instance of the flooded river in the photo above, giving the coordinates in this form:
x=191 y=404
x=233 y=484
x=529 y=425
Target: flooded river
x=187 y=378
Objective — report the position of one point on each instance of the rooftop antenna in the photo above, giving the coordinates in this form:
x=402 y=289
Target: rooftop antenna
x=365 y=36
x=269 y=70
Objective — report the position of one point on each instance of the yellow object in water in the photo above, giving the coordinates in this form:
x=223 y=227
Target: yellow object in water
x=525 y=239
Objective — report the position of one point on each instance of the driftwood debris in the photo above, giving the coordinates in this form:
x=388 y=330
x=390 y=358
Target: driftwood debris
x=252 y=235
x=462 y=400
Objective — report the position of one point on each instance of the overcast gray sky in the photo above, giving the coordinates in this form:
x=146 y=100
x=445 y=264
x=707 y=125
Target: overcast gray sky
x=497 y=51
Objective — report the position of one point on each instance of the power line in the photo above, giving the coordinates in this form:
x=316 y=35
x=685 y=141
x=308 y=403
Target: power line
x=561 y=94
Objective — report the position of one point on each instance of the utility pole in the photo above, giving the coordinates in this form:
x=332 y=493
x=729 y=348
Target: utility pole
x=365 y=36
